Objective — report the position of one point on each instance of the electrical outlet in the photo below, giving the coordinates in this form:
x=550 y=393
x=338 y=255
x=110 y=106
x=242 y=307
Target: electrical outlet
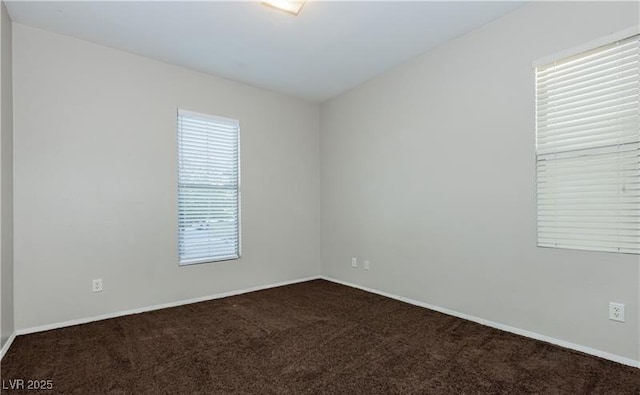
x=616 y=311
x=97 y=285
x=367 y=265
x=354 y=262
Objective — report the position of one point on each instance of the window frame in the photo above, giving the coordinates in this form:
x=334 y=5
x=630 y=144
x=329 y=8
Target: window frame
x=558 y=56
x=215 y=118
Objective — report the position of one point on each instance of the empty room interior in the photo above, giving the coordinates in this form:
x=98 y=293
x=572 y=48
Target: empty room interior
x=320 y=197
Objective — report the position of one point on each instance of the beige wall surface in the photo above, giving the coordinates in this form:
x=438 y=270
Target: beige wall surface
x=96 y=173
x=428 y=171
x=6 y=180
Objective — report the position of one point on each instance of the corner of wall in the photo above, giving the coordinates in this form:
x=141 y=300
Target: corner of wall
x=7 y=327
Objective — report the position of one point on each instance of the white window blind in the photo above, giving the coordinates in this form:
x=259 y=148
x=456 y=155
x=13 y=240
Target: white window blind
x=208 y=188
x=587 y=146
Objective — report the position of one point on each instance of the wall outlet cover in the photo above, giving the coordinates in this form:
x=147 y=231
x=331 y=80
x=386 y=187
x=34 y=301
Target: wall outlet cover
x=616 y=311
x=97 y=285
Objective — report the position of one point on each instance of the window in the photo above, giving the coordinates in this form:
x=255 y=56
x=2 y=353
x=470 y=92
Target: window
x=208 y=188
x=587 y=147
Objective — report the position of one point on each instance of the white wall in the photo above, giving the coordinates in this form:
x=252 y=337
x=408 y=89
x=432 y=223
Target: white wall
x=95 y=181
x=428 y=171
x=6 y=180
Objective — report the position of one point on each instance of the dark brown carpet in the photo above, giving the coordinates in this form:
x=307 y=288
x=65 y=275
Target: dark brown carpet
x=309 y=338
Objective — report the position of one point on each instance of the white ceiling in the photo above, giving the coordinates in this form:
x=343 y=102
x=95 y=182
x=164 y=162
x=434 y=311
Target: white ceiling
x=327 y=49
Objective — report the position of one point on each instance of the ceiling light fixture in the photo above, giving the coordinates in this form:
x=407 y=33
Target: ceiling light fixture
x=292 y=7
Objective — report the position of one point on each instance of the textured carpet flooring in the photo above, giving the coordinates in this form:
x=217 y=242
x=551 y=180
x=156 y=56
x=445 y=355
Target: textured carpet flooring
x=310 y=338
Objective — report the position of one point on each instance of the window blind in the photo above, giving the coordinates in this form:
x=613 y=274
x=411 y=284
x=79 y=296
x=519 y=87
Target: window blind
x=208 y=188
x=587 y=146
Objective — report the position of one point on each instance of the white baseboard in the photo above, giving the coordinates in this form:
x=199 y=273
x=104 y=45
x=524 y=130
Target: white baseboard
x=79 y=321
x=496 y=325
x=6 y=346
